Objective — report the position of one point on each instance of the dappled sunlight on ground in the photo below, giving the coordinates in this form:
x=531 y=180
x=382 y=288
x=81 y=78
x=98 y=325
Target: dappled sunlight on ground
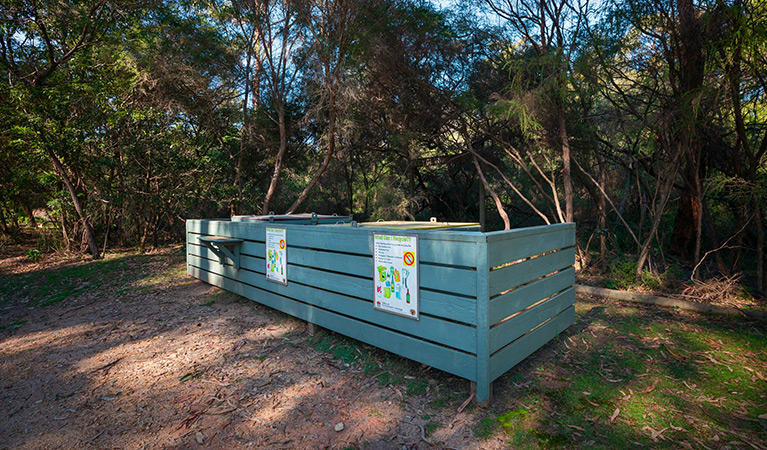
x=145 y=357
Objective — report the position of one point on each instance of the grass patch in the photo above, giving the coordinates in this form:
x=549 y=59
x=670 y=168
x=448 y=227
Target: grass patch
x=486 y=427
x=113 y=275
x=15 y=325
x=431 y=427
x=416 y=387
x=633 y=377
x=386 y=368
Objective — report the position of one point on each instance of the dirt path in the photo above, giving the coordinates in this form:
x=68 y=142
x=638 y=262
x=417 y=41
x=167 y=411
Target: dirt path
x=131 y=353
x=150 y=358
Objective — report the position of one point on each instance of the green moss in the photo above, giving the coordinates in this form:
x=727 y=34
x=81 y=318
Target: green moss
x=431 y=427
x=485 y=428
x=416 y=387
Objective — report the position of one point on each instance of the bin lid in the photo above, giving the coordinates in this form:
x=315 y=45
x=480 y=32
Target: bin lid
x=294 y=218
x=410 y=225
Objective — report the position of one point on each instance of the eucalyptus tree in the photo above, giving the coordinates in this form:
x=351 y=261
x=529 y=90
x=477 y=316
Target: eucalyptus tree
x=551 y=29
x=657 y=66
x=101 y=90
x=410 y=60
x=281 y=35
x=740 y=50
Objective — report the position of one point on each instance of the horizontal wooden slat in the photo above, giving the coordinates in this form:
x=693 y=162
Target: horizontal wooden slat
x=512 y=302
x=434 y=280
x=459 y=281
x=509 y=277
x=503 y=235
x=523 y=347
x=455 y=362
x=432 y=303
x=220 y=239
x=448 y=333
x=510 y=330
x=440 y=247
x=525 y=242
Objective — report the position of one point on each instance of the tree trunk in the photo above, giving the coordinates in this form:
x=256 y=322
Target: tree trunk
x=106 y=231
x=244 y=136
x=602 y=206
x=664 y=192
x=64 y=234
x=691 y=63
x=328 y=155
x=278 y=161
x=759 y=244
x=723 y=270
x=3 y=223
x=30 y=214
x=90 y=235
x=566 y=173
x=684 y=235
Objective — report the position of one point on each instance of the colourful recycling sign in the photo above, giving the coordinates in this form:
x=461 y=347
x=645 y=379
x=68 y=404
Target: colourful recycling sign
x=276 y=255
x=395 y=261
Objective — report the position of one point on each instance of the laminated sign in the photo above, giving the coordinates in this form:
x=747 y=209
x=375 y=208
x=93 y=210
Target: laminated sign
x=395 y=263
x=276 y=255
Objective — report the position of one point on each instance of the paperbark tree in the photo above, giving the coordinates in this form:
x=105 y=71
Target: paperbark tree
x=38 y=40
x=280 y=32
x=330 y=24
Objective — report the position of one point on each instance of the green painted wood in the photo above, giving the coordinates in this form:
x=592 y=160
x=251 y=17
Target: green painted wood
x=331 y=285
x=432 y=302
x=523 y=347
x=483 y=342
x=454 y=280
x=219 y=239
x=520 y=324
x=512 y=302
x=501 y=280
x=461 y=337
x=227 y=249
x=448 y=279
x=439 y=247
x=493 y=237
x=518 y=244
x=451 y=361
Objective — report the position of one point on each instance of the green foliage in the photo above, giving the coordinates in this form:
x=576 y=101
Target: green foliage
x=33 y=255
x=159 y=115
x=623 y=276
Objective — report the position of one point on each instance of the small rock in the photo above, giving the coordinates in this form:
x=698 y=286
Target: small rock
x=339 y=427
x=200 y=437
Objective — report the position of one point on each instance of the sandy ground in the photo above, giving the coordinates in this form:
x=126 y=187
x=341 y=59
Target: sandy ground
x=179 y=364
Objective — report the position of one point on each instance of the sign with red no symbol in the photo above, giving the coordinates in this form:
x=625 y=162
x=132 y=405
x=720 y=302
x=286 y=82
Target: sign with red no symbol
x=408 y=258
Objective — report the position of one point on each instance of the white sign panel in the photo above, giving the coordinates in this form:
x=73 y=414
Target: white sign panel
x=395 y=265
x=276 y=255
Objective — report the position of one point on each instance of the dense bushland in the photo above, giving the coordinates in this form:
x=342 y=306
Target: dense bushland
x=643 y=123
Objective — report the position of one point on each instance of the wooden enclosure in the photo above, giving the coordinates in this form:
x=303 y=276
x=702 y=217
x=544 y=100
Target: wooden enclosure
x=487 y=300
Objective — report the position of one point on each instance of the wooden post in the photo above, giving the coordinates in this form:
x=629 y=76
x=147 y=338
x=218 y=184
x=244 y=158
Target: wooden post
x=482 y=386
x=482 y=210
x=312 y=329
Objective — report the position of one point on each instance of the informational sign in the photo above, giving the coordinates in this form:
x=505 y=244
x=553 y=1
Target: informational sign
x=395 y=263
x=276 y=255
